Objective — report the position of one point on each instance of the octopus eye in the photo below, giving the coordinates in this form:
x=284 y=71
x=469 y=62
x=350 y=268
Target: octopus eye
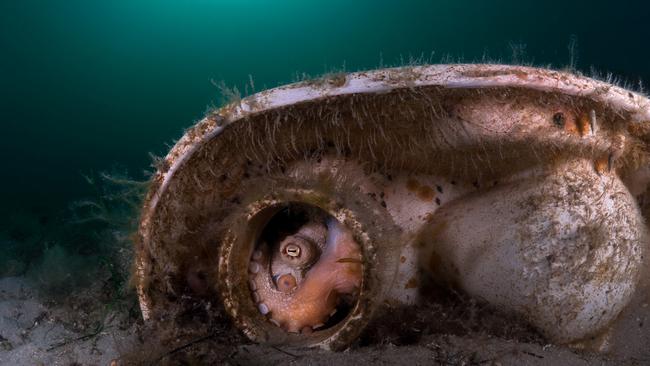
x=308 y=211
x=292 y=250
x=298 y=251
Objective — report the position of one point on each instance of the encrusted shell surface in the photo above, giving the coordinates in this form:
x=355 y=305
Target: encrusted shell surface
x=393 y=154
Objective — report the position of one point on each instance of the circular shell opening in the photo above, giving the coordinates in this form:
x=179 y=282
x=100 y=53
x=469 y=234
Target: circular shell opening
x=310 y=266
x=305 y=270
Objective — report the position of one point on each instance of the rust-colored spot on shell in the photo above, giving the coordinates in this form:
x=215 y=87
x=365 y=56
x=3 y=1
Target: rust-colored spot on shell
x=426 y=193
x=584 y=124
x=402 y=259
x=568 y=122
x=571 y=125
x=602 y=165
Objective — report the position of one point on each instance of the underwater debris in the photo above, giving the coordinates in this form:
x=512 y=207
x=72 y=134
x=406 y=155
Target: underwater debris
x=509 y=183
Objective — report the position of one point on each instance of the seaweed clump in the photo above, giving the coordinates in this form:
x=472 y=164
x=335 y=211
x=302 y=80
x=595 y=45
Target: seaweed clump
x=89 y=240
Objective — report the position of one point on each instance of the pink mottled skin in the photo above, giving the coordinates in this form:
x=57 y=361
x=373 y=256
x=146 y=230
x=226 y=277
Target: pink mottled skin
x=308 y=306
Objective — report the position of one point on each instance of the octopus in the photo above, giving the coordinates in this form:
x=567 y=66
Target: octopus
x=300 y=280
x=307 y=210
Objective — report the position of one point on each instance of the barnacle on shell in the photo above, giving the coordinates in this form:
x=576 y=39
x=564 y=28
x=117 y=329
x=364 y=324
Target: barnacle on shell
x=307 y=209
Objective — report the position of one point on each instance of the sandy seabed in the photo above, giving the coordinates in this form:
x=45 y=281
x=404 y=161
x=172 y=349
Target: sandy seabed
x=83 y=330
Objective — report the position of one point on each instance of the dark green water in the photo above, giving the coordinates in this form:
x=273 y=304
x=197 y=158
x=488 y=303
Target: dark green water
x=89 y=84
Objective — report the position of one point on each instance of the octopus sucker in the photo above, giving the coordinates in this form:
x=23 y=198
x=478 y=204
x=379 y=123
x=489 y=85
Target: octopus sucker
x=314 y=207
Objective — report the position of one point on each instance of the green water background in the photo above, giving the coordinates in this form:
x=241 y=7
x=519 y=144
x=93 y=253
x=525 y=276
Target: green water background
x=86 y=85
